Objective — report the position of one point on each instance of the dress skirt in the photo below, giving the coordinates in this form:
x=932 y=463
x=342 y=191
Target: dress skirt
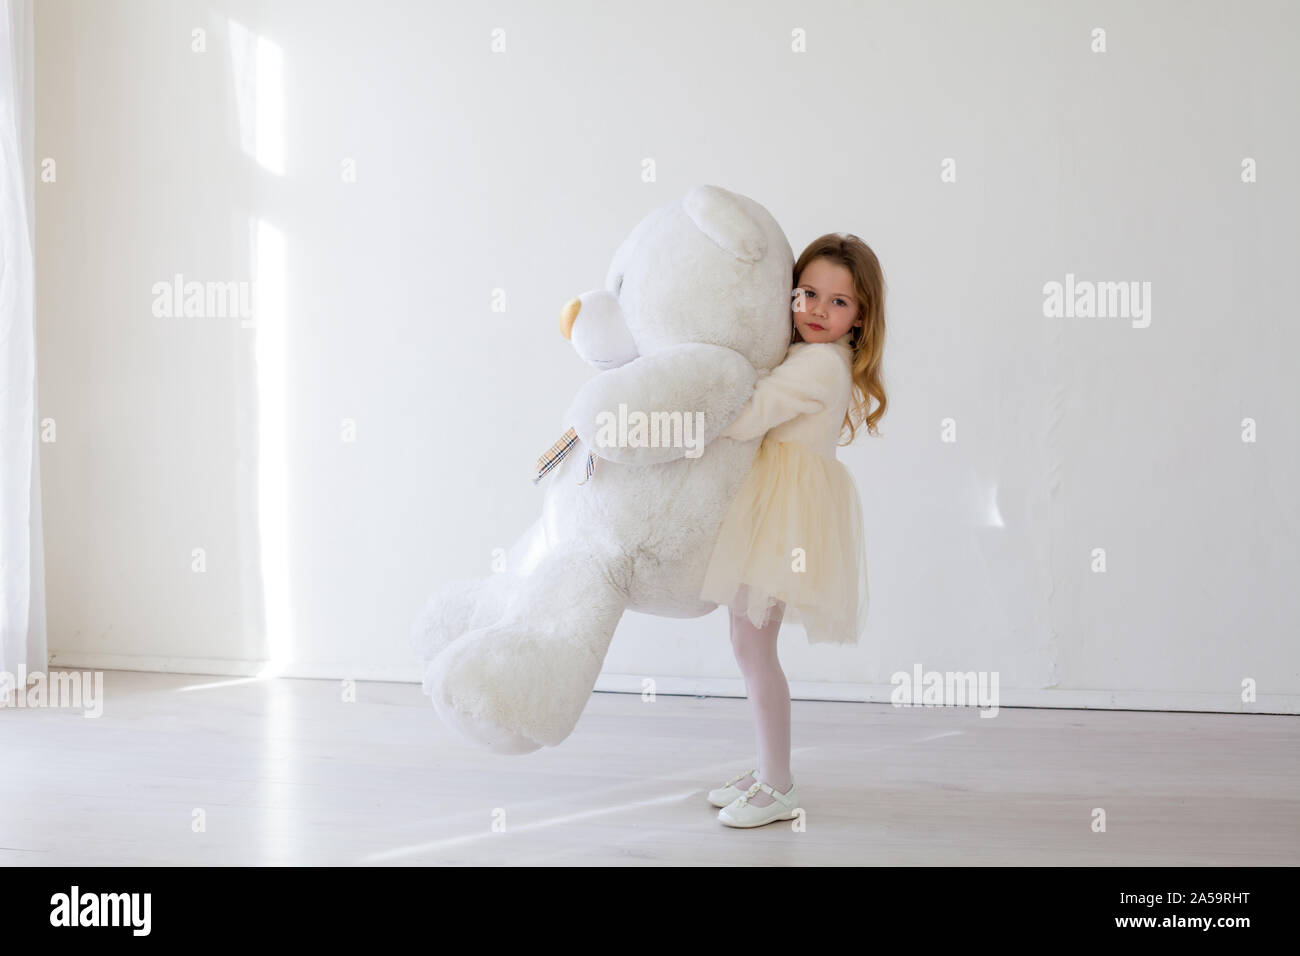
x=794 y=534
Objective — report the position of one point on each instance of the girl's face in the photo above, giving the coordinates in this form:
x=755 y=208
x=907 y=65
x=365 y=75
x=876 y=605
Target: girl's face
x=824 y=307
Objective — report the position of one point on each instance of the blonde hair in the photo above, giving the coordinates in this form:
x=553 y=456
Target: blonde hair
x=868 y=339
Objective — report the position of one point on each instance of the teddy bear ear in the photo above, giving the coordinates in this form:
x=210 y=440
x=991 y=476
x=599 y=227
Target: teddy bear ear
x=720 y=216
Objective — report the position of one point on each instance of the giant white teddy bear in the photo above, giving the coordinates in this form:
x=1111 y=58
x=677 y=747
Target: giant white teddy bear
x=695 y=309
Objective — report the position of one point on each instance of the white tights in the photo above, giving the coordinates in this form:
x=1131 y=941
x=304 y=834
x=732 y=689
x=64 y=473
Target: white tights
x=765 y=683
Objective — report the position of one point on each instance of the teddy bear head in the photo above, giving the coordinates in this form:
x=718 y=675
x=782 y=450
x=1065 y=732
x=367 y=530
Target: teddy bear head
x=712 y=267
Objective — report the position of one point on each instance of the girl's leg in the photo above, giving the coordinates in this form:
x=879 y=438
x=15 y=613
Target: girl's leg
x=765 y=683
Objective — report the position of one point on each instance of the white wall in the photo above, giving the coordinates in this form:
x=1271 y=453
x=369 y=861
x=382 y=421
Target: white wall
x=522 y=170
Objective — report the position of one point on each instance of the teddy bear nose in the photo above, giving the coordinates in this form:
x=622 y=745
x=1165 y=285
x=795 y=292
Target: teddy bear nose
x=567 y=316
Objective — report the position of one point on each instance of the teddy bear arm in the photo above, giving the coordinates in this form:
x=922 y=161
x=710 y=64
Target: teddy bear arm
x=707 y=384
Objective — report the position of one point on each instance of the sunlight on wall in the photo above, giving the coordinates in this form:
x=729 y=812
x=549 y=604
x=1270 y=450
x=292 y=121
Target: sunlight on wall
x=258 y=67
x=992 y=513
x=271 y=357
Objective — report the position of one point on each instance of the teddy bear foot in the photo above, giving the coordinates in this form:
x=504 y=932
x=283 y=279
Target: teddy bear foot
x=494 y=737
x=513 y=689
x=453 y=610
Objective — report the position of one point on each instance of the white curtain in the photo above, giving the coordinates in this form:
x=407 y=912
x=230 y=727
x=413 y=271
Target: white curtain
x=22 y=565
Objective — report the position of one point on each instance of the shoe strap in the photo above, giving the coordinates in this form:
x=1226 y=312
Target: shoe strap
x=741 y=776
x=758 y=785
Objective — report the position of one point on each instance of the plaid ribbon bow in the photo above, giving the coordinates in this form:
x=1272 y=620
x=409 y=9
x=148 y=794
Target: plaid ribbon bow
x=555 y=454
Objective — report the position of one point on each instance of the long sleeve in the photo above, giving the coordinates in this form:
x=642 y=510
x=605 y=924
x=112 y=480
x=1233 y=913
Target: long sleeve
x=805 y=383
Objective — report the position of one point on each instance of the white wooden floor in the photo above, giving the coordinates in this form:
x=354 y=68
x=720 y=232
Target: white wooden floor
x=285 y=772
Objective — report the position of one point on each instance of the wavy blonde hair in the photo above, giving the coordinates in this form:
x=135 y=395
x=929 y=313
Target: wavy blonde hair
x=868 y=340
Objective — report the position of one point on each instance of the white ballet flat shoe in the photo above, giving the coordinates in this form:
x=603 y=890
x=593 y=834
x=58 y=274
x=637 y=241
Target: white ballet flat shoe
x=729 y=791
x=741 y=813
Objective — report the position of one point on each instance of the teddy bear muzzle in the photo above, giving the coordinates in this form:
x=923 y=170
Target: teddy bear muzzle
x=568 y=315
x=595 y=325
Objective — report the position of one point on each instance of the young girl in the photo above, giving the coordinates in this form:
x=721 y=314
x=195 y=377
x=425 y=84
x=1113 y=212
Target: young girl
x=793 y=534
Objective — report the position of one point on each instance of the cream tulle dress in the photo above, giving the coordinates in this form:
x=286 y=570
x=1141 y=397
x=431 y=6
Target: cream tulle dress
x=794 y=531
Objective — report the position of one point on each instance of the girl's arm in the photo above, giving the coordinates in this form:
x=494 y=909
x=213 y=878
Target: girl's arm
x=806 y=382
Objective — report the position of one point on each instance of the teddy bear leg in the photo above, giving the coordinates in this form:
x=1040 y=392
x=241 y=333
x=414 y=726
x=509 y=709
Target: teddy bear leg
x=521 y=683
